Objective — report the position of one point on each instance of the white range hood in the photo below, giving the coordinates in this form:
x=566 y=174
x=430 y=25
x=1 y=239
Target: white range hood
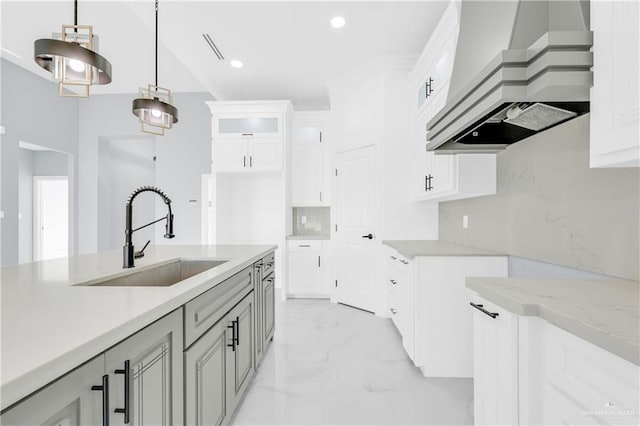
x=539 y=76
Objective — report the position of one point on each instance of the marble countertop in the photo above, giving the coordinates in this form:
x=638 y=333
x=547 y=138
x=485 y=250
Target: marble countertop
x=413 y=248
x=604 y=312
x=50 y=326
x=309 y=237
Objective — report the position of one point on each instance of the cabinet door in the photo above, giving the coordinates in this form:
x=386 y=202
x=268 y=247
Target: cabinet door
x=495 y=365
x=615 y=95
x=268 y=309
x=154 y=358
x=240 y=366
x=265 y=154
x=247 y=124
x=307 y=168
x=305 y=273
x=257 y=295
x=69 y=401
x=206 y=377
x=229 y=154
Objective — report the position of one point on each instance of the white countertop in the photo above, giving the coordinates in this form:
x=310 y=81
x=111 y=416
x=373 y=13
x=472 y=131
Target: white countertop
x=604 y=312
x=50 y=326
x=413 y=248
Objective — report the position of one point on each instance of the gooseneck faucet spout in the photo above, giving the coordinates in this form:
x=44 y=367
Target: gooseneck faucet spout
x=128 y=252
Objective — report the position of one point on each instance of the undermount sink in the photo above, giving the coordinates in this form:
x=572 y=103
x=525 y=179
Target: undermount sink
x=164 y=275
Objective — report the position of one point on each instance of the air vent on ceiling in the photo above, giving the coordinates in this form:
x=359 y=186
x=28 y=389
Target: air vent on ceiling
x=213 y=46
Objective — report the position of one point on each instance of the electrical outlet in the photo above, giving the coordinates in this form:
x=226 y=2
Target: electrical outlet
x=465 y=221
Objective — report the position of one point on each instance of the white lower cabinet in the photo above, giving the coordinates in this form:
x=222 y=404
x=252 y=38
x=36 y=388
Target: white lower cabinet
x=307 y=267
x=428 y=301
x=530 y=372
x=495 y=364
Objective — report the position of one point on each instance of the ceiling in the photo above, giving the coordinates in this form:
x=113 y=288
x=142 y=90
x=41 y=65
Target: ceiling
x=288 y=48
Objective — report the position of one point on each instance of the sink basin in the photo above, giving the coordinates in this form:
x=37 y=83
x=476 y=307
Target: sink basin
x=164 y=275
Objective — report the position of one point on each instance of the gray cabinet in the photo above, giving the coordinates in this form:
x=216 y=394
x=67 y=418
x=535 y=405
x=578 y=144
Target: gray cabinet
x=68 y=401
x=240 y=364
x=145 y=372
x=219 y=366
x=268 y=309
x=206 y=377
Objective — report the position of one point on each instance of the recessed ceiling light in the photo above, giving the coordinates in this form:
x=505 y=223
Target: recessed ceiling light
x=338 y=22
x=236 y=63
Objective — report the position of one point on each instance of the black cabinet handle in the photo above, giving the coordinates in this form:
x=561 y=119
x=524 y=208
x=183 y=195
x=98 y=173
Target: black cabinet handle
x=394 y=282
x=127 y=376
x=393 y=257
x=251 y=161
x=104 y=388
x=233 y=335
x=237 y=331
x=369 y=236
x=244 y=161
x=393 y=311
x=483 y=310
x=247 y=134
x=318 y=261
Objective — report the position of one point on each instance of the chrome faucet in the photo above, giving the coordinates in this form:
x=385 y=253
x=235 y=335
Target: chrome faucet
x=128 y=250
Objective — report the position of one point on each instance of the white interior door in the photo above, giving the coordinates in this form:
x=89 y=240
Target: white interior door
x=51 y=217
x=355 y=219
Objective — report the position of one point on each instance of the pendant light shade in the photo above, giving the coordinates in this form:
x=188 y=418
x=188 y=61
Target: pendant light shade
x=154 y=108
x=72 y=58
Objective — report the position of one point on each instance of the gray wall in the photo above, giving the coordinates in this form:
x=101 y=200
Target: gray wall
x=183 y=155
x=551 y=207
x=32 y=112
x=25 y=205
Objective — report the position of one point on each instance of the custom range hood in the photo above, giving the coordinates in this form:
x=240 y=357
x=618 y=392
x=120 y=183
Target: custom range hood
x=540 y=77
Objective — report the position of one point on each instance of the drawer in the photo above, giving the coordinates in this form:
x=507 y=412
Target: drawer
x=395 y=310
x=304 y=245
x=268 y=264
x=204 y=311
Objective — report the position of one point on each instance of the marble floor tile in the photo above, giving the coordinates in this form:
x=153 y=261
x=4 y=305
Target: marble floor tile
x=335 y=365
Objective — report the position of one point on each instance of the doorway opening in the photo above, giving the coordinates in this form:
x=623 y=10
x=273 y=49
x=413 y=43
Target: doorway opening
x=50 y=217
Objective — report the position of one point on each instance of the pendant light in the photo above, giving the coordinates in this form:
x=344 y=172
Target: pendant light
x=154 y=106
x=72 y=58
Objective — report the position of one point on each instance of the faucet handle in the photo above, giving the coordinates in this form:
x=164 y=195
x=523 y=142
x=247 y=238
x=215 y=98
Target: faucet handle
x=139 y=254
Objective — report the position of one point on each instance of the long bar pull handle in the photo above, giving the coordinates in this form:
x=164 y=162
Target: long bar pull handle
x=483 y=310
x=318 y=261
x=237 y=331
x=104 y=388
x=127 y=406
x=251 y=161
x=244 y=161
x=233 y=335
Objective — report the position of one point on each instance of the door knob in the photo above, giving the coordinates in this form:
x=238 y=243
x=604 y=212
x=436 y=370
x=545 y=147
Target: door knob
x=369 y=236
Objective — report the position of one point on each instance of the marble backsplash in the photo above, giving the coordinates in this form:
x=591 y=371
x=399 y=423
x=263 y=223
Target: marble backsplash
x=551 y=207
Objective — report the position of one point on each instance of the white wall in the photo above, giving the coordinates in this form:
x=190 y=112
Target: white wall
x=183 y=155
x=32 y=112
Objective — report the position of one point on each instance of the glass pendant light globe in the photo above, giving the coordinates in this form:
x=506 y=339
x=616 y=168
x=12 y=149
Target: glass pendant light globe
x=76 y=65
x=156 y=113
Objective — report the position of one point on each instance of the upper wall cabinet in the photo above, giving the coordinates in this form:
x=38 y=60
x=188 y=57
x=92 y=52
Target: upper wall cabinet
x=248 y=136
x=615 y=106
x=443 y=177
x=309 y=160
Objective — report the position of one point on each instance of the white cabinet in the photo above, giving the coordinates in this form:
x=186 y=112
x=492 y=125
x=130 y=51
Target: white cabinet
x=309 y=160
x=443 y=177
x=69 y=401
x=145 y=372
x=400 y=296
x=615 y=95
x=249 y=136
x=495 y=364
x=429 y=303
x=308 y=275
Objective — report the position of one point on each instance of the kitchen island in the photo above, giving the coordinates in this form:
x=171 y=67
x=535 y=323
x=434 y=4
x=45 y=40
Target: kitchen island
x=52 y=324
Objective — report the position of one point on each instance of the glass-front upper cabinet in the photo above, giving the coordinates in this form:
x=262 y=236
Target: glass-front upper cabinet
x=247 y=125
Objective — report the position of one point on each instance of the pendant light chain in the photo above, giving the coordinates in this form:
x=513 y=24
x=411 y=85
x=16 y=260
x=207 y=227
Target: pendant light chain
x=156 y=43
x=75 y=15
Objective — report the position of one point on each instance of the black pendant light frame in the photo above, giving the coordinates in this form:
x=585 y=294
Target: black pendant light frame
x=45 y=49
x=140 y=104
